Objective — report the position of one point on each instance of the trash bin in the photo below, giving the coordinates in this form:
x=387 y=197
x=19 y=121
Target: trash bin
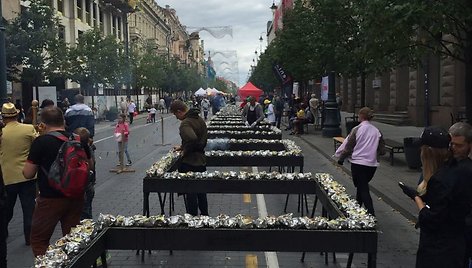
x=350 y=125
x=412 y=149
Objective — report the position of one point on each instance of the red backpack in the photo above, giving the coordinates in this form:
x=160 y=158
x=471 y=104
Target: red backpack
x=69 y=173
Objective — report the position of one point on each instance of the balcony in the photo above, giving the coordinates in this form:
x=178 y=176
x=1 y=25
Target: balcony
x=126 y=6
x=134 y=33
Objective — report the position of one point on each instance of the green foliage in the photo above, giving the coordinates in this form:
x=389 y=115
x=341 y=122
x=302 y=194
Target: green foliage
x=96 y=59
x=219 y=84
x=33 y=52
x=263 y=77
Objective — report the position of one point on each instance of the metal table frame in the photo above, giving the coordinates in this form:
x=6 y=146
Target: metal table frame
x=182 y=238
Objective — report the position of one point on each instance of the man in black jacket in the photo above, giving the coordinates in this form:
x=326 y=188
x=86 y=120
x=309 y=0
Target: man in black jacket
x=193 y=132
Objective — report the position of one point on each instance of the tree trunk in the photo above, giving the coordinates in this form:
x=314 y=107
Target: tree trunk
x=363 y=76
x=468 y=76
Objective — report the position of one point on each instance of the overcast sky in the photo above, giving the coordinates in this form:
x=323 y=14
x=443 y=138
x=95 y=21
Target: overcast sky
x=248 y=19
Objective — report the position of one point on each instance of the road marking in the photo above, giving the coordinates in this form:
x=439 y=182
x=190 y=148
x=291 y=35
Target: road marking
x=247 y=198
x=251 y=261
x=136 y=127
x=271 y=257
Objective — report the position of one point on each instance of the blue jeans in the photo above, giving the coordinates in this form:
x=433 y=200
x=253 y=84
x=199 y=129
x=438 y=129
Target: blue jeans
x=27 y=193
x=88 y=198
x=125 y=148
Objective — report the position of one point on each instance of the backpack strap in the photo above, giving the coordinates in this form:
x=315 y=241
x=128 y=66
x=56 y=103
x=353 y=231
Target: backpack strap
x=63 y=137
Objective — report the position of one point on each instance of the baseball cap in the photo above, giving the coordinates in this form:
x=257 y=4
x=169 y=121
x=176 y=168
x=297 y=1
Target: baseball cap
x=435 y=137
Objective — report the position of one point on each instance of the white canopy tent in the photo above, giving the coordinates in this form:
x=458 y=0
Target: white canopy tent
x=200 y=92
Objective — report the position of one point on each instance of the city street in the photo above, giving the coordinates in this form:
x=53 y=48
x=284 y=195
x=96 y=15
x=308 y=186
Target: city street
x=122 y=194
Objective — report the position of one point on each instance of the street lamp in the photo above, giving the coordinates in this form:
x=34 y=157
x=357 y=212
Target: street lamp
x=273 y=7
x=331 y=123
x=260 y=43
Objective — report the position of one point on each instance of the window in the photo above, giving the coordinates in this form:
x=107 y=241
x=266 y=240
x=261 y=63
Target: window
x=60 y=6
x=62 y=32
x=113 y=25
x=87 y=12
x=94 y=15
x=118 y=33
x=79 y=10
x=102 y=26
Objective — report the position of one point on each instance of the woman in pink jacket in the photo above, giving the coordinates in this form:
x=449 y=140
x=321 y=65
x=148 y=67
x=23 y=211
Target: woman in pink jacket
x=121 y=136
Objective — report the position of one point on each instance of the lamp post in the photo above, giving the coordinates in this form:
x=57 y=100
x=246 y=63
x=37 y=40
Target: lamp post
x=273 y=7
x=331 y=123
x=3 y=67
x=260 y=43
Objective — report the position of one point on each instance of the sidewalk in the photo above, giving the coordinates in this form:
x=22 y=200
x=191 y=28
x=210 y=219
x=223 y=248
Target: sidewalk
x=385 y=182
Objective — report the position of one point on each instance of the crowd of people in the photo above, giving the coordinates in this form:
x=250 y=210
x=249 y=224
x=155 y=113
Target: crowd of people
x=443 y=195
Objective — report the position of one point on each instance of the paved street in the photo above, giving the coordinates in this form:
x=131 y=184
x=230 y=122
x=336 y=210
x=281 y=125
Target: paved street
x=122 y=194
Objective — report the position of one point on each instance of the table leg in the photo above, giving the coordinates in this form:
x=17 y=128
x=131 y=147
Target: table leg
x=349 y=260
x=372 y=260
x=162 y=202
x=146 y=204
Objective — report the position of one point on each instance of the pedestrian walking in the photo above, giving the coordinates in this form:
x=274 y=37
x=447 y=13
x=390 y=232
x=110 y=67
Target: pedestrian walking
x=193 y=133
x=362 y=146
x=205 y=104
x=279 y=109
x=121 y=137
x=152 y=113
x=52 y=206
x=269 y=112
x=131 y=111
x=15 y=145
x=443 y=199
x=168 y=101
x=80 y=115
x=123 y=106
x=162 y=105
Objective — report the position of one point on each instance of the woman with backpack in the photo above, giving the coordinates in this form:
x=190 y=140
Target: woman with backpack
x=121 y=136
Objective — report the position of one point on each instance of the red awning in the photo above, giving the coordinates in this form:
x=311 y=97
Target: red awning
x=249 y=90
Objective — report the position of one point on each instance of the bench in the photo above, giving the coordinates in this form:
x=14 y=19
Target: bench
x=393 y=147
x=337 y=142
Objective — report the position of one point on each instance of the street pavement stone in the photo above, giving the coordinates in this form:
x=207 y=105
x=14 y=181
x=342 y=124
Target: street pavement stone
x=122 y=194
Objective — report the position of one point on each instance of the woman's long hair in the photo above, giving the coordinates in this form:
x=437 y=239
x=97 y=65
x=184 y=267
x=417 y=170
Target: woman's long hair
x=432 y=159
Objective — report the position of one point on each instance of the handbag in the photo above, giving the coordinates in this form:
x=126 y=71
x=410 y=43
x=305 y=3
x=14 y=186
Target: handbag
x=118 y=137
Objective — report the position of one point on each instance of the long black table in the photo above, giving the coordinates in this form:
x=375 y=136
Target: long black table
x=274 y=136
x=221 y=161
x=224 y=239
x=159 y=185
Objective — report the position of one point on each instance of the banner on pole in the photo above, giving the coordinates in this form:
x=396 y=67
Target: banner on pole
x=281 y=74
x=324 y=88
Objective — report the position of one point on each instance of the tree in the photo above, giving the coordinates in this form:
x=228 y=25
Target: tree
x=263 y=77
x=445 y=29
x=96 y=59
x=34 y=52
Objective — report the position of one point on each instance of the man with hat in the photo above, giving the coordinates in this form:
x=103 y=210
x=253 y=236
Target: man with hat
x=269 y=111
x=14 y=149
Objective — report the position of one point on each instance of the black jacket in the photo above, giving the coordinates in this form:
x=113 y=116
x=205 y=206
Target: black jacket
x=442 y=222
x=193 y=132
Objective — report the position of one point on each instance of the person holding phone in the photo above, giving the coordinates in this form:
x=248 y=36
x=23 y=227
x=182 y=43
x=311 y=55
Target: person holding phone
x=443 y=199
